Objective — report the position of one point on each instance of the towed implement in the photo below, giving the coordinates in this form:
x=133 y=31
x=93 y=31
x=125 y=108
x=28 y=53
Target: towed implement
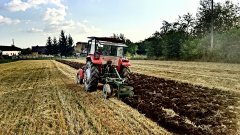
x=105 y=63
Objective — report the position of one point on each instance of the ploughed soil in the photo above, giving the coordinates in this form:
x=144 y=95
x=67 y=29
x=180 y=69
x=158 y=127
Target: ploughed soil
x=182 y=108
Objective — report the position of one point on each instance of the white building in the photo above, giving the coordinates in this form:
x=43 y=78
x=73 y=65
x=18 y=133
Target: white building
x=10 y=50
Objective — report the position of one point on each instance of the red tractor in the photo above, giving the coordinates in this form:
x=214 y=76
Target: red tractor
x=105 y=63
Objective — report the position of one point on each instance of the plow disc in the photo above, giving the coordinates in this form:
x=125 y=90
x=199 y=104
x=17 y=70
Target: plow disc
x=117 y=86
x=125 y=91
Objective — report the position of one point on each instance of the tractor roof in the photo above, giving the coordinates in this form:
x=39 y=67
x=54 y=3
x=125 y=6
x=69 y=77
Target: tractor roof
x=109 y=41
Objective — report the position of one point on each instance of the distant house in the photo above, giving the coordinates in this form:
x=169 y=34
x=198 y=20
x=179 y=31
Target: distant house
x=9 y=50
x=80 y=47
x=39 y=50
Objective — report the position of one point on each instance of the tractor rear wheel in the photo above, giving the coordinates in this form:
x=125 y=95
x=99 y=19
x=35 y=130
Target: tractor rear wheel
x=125 y=74
x=91 y=77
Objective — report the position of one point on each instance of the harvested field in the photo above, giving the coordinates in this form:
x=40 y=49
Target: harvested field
x=40 y=97
x=213 y=75
x=184 y=108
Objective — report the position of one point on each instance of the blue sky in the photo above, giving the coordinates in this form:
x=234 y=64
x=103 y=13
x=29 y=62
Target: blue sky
x=30 y=22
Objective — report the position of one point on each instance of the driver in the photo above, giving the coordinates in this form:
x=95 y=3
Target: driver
x=100 y=51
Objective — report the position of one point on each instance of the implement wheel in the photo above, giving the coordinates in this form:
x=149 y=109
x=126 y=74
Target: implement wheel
x=106 y=91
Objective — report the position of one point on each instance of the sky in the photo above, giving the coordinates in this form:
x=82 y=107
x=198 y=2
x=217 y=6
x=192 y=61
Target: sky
x=30 y=22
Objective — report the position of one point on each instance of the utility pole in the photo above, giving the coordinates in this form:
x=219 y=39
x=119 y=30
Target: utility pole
x=212 y=25
x=13 y=42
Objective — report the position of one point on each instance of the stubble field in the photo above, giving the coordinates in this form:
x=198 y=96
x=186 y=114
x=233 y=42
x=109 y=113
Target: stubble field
x=40 y=97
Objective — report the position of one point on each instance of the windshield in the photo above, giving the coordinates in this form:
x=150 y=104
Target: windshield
x=109 y=50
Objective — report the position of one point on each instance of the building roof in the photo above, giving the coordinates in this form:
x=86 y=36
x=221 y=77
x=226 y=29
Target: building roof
x=9 y=48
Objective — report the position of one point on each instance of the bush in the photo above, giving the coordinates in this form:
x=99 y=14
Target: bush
x=190 y=50
x=138 y=57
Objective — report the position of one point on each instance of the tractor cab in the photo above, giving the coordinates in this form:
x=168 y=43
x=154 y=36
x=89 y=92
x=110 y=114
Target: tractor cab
x=102 y=50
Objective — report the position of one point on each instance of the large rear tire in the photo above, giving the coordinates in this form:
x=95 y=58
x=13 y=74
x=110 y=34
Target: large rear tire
x=91 y=77
x=125 y=74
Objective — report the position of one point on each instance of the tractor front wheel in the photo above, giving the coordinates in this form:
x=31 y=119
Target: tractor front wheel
x=91 y=77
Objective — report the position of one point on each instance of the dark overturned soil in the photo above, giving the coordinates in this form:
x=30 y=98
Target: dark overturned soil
x=182 y=108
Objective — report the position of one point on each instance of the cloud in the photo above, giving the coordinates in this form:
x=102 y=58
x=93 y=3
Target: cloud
x=54 y=16
x=19 y=5
x=34 y=30
x=37 y=2
x=86 y=28
x=27 y=21
x=85 y=21
x=71 y=26
x=8 y=21
x=55 y=21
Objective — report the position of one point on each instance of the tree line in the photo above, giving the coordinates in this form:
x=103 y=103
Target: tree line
x=62 y=47
x=188 y=38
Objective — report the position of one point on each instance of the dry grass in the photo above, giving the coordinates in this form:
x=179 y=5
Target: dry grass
x=39 y=97
x=218 y=75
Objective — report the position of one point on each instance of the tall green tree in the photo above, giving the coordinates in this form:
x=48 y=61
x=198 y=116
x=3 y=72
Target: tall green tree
x=132 y=47
x=49 y=46
x=225 y=17
x=167 y=43
x=225 y=20
x=62 y=44
x=186 y=23
x=141 y=48
x=154 y=46
x=188 y=38
x=70 y=48
x=26 y=51
x=55 y=46
x=173 y=41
